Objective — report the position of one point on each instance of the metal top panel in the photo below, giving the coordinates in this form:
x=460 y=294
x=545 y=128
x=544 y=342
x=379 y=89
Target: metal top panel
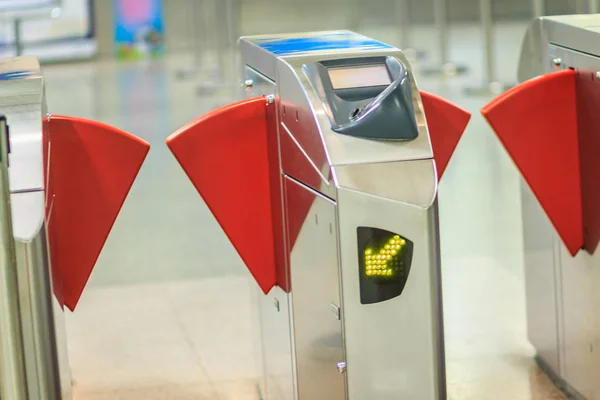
x=18 y=69
x=261 y=52
x=21 y=81
x=580 y=33
x=22 y=102
x=295 y=89
x=305 y=111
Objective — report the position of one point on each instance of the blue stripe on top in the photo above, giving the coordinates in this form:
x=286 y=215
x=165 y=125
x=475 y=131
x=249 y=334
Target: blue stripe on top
x=319 y=42
x=7 y=76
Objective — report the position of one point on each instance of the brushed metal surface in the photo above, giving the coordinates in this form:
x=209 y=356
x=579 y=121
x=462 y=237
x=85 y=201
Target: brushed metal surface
x=561 y=291
x=261 y=84
x=48 y=372
x=300 y=133
x=22 y=102
x=414 y=182
x=303 y=116
x=344 y=149
x=276 y=325
x=27 y=214
x=394 y=349
x=41 y=317
x=13 y=379
x=541 y=283
x=315 y=282
x=575 y=32
x=578 y=302
x=273 y=332
x=573 y=59
x=579 y=323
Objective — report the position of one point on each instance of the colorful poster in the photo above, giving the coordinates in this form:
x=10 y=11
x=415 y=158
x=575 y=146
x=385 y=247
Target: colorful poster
x=139 y=30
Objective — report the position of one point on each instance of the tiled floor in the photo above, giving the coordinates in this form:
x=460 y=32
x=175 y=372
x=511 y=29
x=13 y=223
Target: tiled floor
x=164 y=341
x=167 y=315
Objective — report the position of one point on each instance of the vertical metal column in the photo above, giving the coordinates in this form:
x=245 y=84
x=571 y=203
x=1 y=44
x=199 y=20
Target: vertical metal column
x=403 y=15
x=227 y=30
x=539 y=8
x=192 y=70
x=220 y=35
x=440 y=16
x=485 y=10
x=205 y=22
x=586 y=6
x=490 y=86
x=13 y=381
x=406 y=40
x=591 y=6
x=17 y=33
x=354 y=18
x=233 y=23
x=234 y=28
x=197 y=32
x=445 y=66
x=221 y=21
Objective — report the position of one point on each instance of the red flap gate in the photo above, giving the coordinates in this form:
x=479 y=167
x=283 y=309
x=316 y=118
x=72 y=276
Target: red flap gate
x=550 y=127
x=231 y=157
x=90 y=168
x=446 y=123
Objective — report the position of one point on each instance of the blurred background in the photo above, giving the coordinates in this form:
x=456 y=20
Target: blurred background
x=167 y=312
x=82 y=19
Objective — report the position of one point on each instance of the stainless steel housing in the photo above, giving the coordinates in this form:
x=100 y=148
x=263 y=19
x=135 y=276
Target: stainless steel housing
x=319 y=341
x=36 y=320
x=562 y=291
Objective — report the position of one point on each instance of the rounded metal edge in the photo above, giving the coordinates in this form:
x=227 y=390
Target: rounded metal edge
x=559 y=382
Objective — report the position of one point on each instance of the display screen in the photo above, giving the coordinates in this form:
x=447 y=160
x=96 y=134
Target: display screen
x=384 y=262
x=359 y=77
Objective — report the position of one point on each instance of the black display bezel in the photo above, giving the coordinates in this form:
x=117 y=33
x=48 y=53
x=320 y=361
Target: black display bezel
x=378 y=288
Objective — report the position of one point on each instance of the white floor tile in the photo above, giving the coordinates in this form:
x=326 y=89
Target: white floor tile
x=128 y=337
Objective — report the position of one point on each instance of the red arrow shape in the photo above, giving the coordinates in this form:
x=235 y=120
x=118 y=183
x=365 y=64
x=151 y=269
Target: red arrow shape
x=91 y=169
x=537 y=124
x=446 y=123
x=225 y=155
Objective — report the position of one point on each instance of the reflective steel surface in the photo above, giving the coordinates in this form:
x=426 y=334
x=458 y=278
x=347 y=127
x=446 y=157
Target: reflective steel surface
x=48 y=371
x=315 y=282
x=41 y=318
x=13 y=379
x=168 y=312
x=21 y=102
x=575 y=32
x=561 y=292
x=419 y=180
x=342 y=149
x=406 y=328
x=374 y=343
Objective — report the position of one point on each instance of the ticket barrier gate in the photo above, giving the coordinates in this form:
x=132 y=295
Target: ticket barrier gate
x=325 y=181
x=63 y=181
x=550 y=126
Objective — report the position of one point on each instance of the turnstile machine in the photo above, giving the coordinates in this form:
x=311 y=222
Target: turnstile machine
x=550 y=126
x=325 y=181
x=62 y=183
